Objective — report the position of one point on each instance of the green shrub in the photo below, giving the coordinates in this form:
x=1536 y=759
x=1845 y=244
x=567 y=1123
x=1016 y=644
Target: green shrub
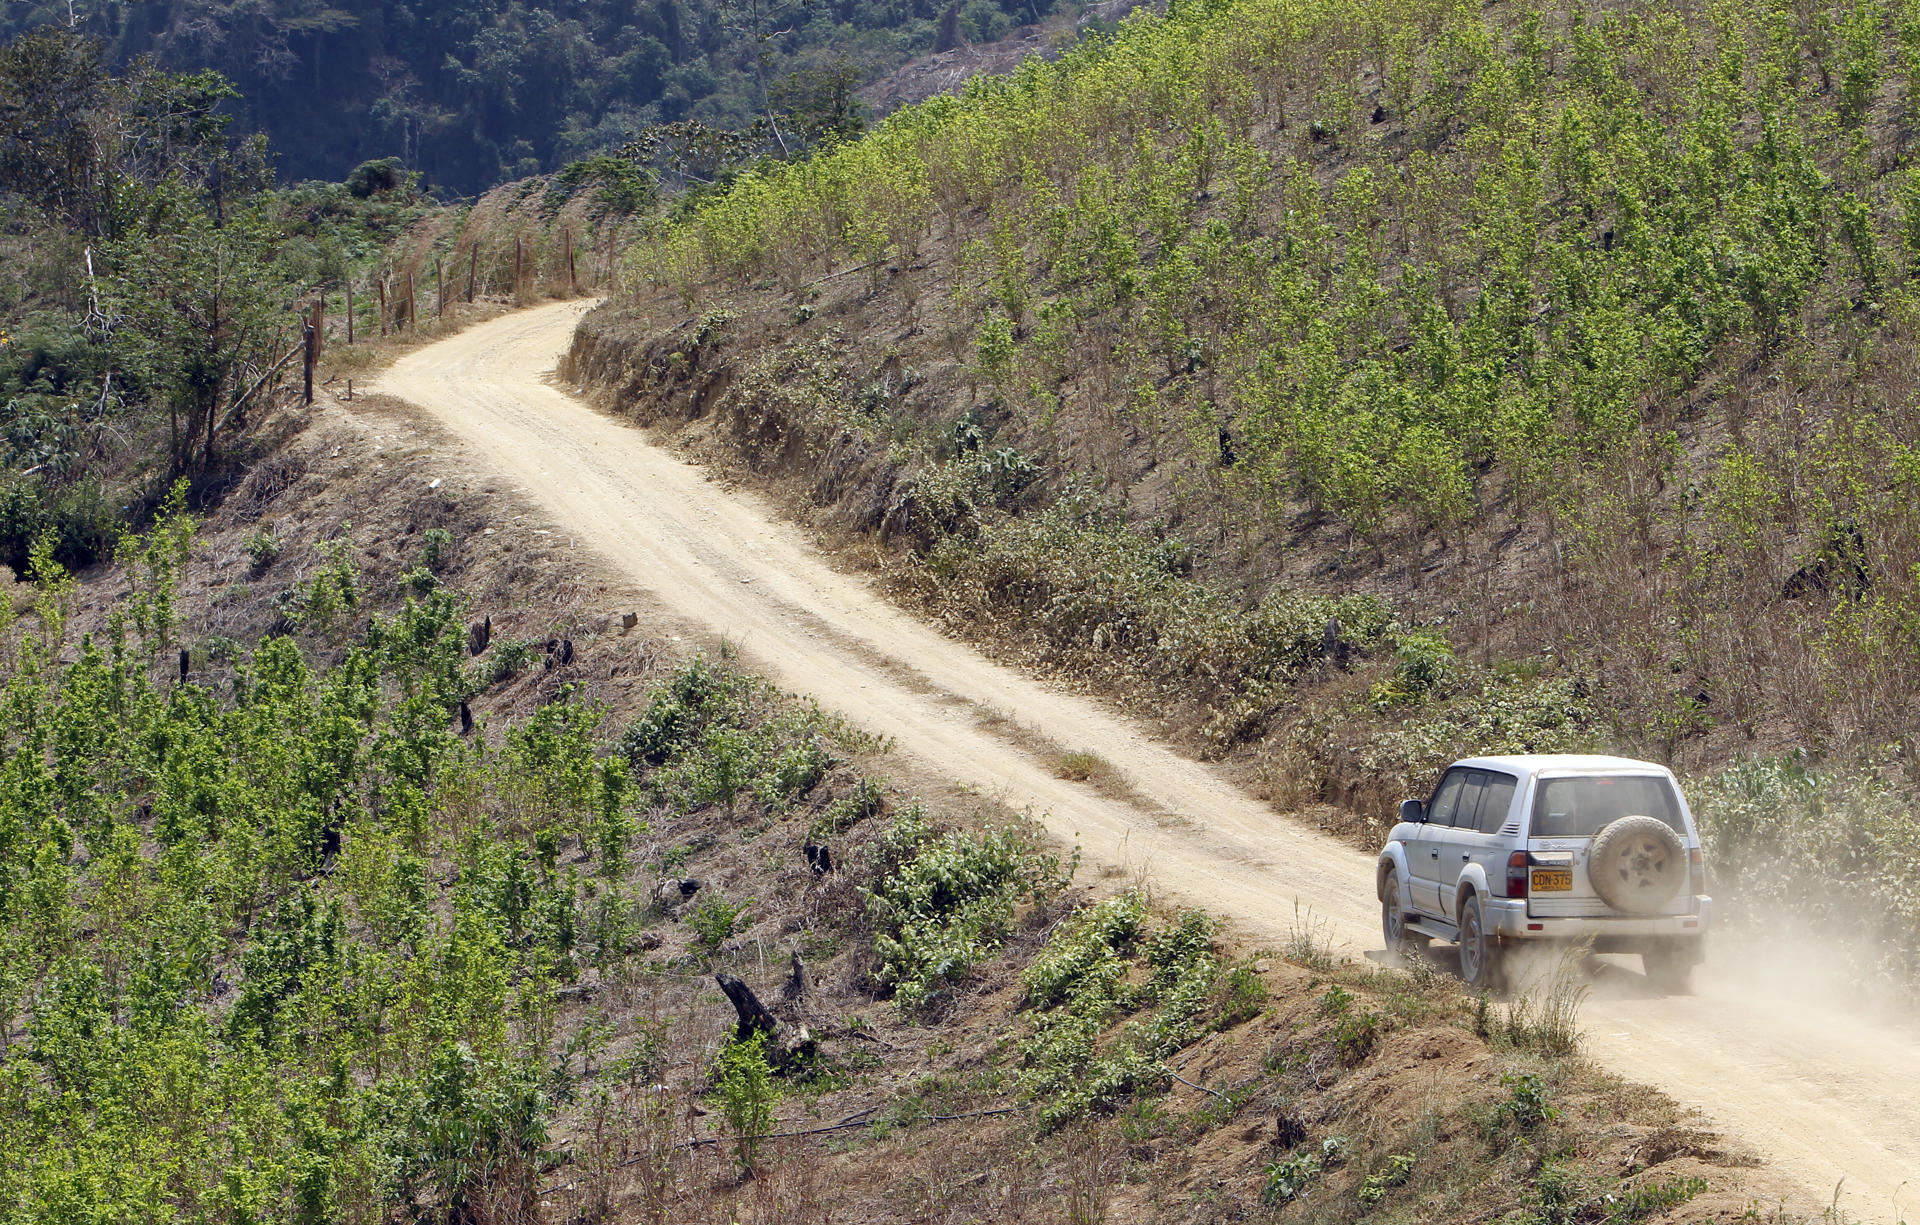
x=1374 y=1187
x=1423 y=664
x=506 y=659
x=715 y=920
x=433 y=550
x=744 y=1090
x=1085 y=977
x=678 y=713
x=1087 y=953
x=948 y=901
x=1526 y=1106
x=1292 y=1177
x=1783 y=837
x=263 y=546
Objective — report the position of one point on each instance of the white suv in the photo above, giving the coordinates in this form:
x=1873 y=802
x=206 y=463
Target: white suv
x=1548 y=848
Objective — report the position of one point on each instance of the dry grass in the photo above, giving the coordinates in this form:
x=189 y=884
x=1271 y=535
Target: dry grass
x=1543 y=1011
x=1082 y=767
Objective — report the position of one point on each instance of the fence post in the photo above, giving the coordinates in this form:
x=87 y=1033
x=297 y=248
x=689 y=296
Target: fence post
x=381 y=285
x=349 y=310
x=473 y=267
x=439 y=290
x=410 y=311
x=573 y=282
x=310 y=354
x=518 y=257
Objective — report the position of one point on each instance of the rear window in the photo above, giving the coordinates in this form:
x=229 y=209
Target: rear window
x=1581 y=807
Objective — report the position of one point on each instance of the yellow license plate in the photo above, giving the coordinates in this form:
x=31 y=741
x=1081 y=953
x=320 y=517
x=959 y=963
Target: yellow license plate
x=1552 y=880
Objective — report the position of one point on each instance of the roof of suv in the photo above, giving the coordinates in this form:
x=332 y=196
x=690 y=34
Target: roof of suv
x=1525 y=764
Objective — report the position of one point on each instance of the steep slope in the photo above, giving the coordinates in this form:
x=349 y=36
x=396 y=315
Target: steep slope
x=1348 y=387
x=1830 y=1094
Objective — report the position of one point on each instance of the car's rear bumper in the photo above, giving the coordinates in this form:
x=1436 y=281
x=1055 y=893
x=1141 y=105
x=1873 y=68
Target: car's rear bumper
x=1508 y=919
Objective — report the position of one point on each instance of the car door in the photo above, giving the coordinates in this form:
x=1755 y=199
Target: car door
x=1476 y=837
x=1448 y=841
x=1423 y=848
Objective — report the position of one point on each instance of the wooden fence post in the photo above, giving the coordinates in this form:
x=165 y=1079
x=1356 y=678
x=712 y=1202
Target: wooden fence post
x=349 y=310
x=381 y=285
x=306 y=363
x=439 y=290
x=518 y=257
x=410 y=314
x=473 y=267
x=309 y=354
x=612 y=227
x=573 y=282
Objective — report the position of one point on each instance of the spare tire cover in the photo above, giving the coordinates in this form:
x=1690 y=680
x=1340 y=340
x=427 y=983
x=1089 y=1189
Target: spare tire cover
x=1637 y=864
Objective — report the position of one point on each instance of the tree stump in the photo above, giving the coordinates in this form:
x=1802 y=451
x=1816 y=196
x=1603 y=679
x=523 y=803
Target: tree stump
x=754 y=1017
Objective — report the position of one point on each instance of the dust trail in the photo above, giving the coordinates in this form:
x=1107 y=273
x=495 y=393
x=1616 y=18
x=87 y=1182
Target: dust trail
x=1827 y=1094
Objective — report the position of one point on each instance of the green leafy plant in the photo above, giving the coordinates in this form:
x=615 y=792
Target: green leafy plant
x=744 y=1091
x=947 y=901
x=263 y=546
x=715 y=920
x=1374 y=1187
x=1526 y=1106
x=1292 y=1177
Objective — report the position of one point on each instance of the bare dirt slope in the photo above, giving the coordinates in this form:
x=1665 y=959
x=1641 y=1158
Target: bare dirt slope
x=1827 y=1093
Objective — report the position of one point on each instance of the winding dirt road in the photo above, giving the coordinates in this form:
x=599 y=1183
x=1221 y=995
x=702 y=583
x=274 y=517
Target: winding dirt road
x=1825 y=1093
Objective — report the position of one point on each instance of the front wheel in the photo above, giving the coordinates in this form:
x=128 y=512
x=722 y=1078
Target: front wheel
x=1393 y=920
x=1480 y=955
x=1670 y=969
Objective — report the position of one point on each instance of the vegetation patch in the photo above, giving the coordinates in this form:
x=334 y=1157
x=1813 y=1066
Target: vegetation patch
x=944 y=903
x=1107 y=963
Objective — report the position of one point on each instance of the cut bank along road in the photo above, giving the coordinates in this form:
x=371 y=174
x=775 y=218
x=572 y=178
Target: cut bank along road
x=1826 y=1095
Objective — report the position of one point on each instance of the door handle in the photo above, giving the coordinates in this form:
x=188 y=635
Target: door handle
x=1466 y=855
x=1436 y=854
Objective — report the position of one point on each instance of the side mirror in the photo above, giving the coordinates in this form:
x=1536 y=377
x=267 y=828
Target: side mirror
x=1413 y=812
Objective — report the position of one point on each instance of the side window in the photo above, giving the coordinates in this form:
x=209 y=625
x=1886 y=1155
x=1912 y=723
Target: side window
x=1446 y=799
x=1496 y=801
x=1469 y=806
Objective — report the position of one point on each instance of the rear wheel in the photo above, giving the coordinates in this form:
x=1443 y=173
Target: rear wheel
x=1670 y=969
x=1480 y=954
x=1393 y=919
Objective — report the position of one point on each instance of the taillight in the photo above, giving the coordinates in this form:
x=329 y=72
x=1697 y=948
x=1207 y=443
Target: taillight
x=1517 y=874
x=1697 y=863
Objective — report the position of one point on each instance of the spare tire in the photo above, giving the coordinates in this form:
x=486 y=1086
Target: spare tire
x=1637 y=864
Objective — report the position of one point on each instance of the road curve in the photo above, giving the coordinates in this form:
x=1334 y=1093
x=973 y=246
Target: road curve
x=1827 y=1094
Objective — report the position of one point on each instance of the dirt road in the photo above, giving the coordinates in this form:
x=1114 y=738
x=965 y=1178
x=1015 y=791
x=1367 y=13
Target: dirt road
x=1825 y=1094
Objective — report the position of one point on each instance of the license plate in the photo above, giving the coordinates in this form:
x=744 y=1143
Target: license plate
x=1552 y=880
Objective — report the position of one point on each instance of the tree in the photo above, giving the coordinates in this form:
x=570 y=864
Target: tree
x=818 y=105
x=199 y=307
x=54 y=91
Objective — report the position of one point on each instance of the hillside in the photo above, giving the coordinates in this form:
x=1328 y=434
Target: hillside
x=1336 y=387
x=363 y=912
x=1560 y=358
x=473 y=94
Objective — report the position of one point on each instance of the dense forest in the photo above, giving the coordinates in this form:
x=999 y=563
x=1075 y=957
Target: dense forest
x=1581 y=335
x=471 y=94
